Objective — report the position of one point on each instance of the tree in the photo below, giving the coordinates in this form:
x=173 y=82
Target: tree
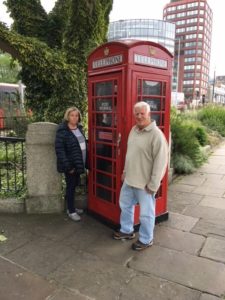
x=52 y=50
x=9 y=69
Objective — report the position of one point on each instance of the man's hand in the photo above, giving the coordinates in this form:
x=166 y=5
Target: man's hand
x=72 y=171
x=149 y=191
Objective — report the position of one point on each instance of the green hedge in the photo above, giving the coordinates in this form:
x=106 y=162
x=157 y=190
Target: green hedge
x=188 y=135
x=213 y=117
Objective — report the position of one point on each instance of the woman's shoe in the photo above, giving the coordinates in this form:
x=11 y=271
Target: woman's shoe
x=74 y=216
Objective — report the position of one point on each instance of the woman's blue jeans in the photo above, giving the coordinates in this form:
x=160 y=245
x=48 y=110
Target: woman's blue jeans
x=129 y=196
x=72 y=181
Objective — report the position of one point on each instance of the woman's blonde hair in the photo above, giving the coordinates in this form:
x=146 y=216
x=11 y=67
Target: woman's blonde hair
x=69 y=110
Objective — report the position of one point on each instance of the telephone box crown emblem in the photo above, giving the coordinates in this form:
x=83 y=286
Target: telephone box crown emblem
x=152 y=51
x=106 y=51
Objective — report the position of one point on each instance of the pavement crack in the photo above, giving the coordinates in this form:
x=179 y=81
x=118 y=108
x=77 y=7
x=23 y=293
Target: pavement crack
x=127 y=262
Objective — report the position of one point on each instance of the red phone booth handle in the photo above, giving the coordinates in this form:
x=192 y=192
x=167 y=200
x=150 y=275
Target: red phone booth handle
x=118 y=143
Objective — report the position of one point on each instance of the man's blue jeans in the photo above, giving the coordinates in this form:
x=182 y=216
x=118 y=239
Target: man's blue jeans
x=129 y=196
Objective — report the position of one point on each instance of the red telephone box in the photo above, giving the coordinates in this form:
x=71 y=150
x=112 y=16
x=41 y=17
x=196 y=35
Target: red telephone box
x=120 y=73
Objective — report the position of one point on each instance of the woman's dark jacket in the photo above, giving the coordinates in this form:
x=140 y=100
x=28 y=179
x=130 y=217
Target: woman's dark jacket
x=68 y=151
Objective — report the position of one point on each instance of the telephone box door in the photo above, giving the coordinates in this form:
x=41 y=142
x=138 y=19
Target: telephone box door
x=155 y=90
x=105 y=119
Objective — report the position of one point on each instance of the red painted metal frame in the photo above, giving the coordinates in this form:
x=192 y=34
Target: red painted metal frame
x=127 y=73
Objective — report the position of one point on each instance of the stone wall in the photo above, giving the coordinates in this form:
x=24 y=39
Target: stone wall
x=44 y=183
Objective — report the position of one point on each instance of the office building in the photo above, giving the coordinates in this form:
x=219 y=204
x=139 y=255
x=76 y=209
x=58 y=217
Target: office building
x=157 y=31
x=193 y=19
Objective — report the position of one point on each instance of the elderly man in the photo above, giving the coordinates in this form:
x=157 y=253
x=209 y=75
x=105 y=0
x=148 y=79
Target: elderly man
x=145 y=165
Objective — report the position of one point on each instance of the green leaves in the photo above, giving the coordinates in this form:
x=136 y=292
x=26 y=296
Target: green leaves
x=52 y=49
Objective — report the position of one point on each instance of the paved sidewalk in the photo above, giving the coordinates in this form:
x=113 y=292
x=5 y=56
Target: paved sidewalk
x=50 y=257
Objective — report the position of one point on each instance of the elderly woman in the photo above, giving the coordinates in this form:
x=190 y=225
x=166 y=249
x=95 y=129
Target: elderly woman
x=71 y=152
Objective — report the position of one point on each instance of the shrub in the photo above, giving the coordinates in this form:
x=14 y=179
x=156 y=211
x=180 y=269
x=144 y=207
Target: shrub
x=182 y=164
x=213 y=117
x=187 y=138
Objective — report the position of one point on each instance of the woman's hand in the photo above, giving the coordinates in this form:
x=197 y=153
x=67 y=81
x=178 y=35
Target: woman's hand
x=72 y=171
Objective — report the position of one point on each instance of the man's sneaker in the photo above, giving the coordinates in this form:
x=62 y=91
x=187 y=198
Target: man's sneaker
x=74 y=216
x=79 y=211
x=138 y=245
x=118 y=235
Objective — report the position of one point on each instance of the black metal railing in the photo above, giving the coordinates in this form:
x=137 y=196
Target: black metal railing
x=13 y=126
x=12 y=165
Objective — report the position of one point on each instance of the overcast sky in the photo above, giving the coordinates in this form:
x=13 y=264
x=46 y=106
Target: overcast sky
x=153 y=9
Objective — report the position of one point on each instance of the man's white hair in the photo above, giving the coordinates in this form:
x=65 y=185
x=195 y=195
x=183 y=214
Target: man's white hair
x=142 y=104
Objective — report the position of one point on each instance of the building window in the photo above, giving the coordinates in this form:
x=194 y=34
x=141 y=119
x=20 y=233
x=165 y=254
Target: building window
x=181 y=22
x=194 y=20
x=192 y=12
x=181 y=6
x=183 y=14
x=190 y=36
x=191 y=44
x=194 y=4
x=189 y=67
x=188 y=75
x=187 y=82
x=189 y=52
x=189 y=59
x=192 y=28
x=179 y=30
x=169 y=17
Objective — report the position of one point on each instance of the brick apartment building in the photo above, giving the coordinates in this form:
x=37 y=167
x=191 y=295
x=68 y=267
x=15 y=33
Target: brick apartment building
x=193 y=19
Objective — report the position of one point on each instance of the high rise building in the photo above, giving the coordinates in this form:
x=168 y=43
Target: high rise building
x=193 y=19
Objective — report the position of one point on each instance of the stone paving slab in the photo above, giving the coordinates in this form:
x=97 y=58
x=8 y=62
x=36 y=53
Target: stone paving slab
x=179 y=187
x=20 y=284
x=188 y=270
x=149 y=287
x=208 y=169
x=208 y=297
x=93 y=277
x=69 y=295
x=216 y=184
x=207 y=227
x=41 y=255
x=178 y=240
x=213 y=202
x=214 y=249
x=208 y=176
x=204 y=212
x=209 y=191
x=195 y=180
x=180 y=222
x=178 y=201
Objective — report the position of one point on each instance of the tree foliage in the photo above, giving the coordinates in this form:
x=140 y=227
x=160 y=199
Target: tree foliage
x=52 y=49
x=9 y=69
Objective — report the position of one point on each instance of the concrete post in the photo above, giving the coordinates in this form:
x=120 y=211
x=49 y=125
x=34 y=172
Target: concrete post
x=44 y=183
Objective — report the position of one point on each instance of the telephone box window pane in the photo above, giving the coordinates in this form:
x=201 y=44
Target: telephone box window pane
x=104 y=120
x=104 y=194
x=104 y=165
x=139 y=87
x=156 y=117
x=154 y=103
x=164 y=89
x=104 y=105
x=104 y=180
x=104 y=150
x=151 y=87
x=104 y=88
